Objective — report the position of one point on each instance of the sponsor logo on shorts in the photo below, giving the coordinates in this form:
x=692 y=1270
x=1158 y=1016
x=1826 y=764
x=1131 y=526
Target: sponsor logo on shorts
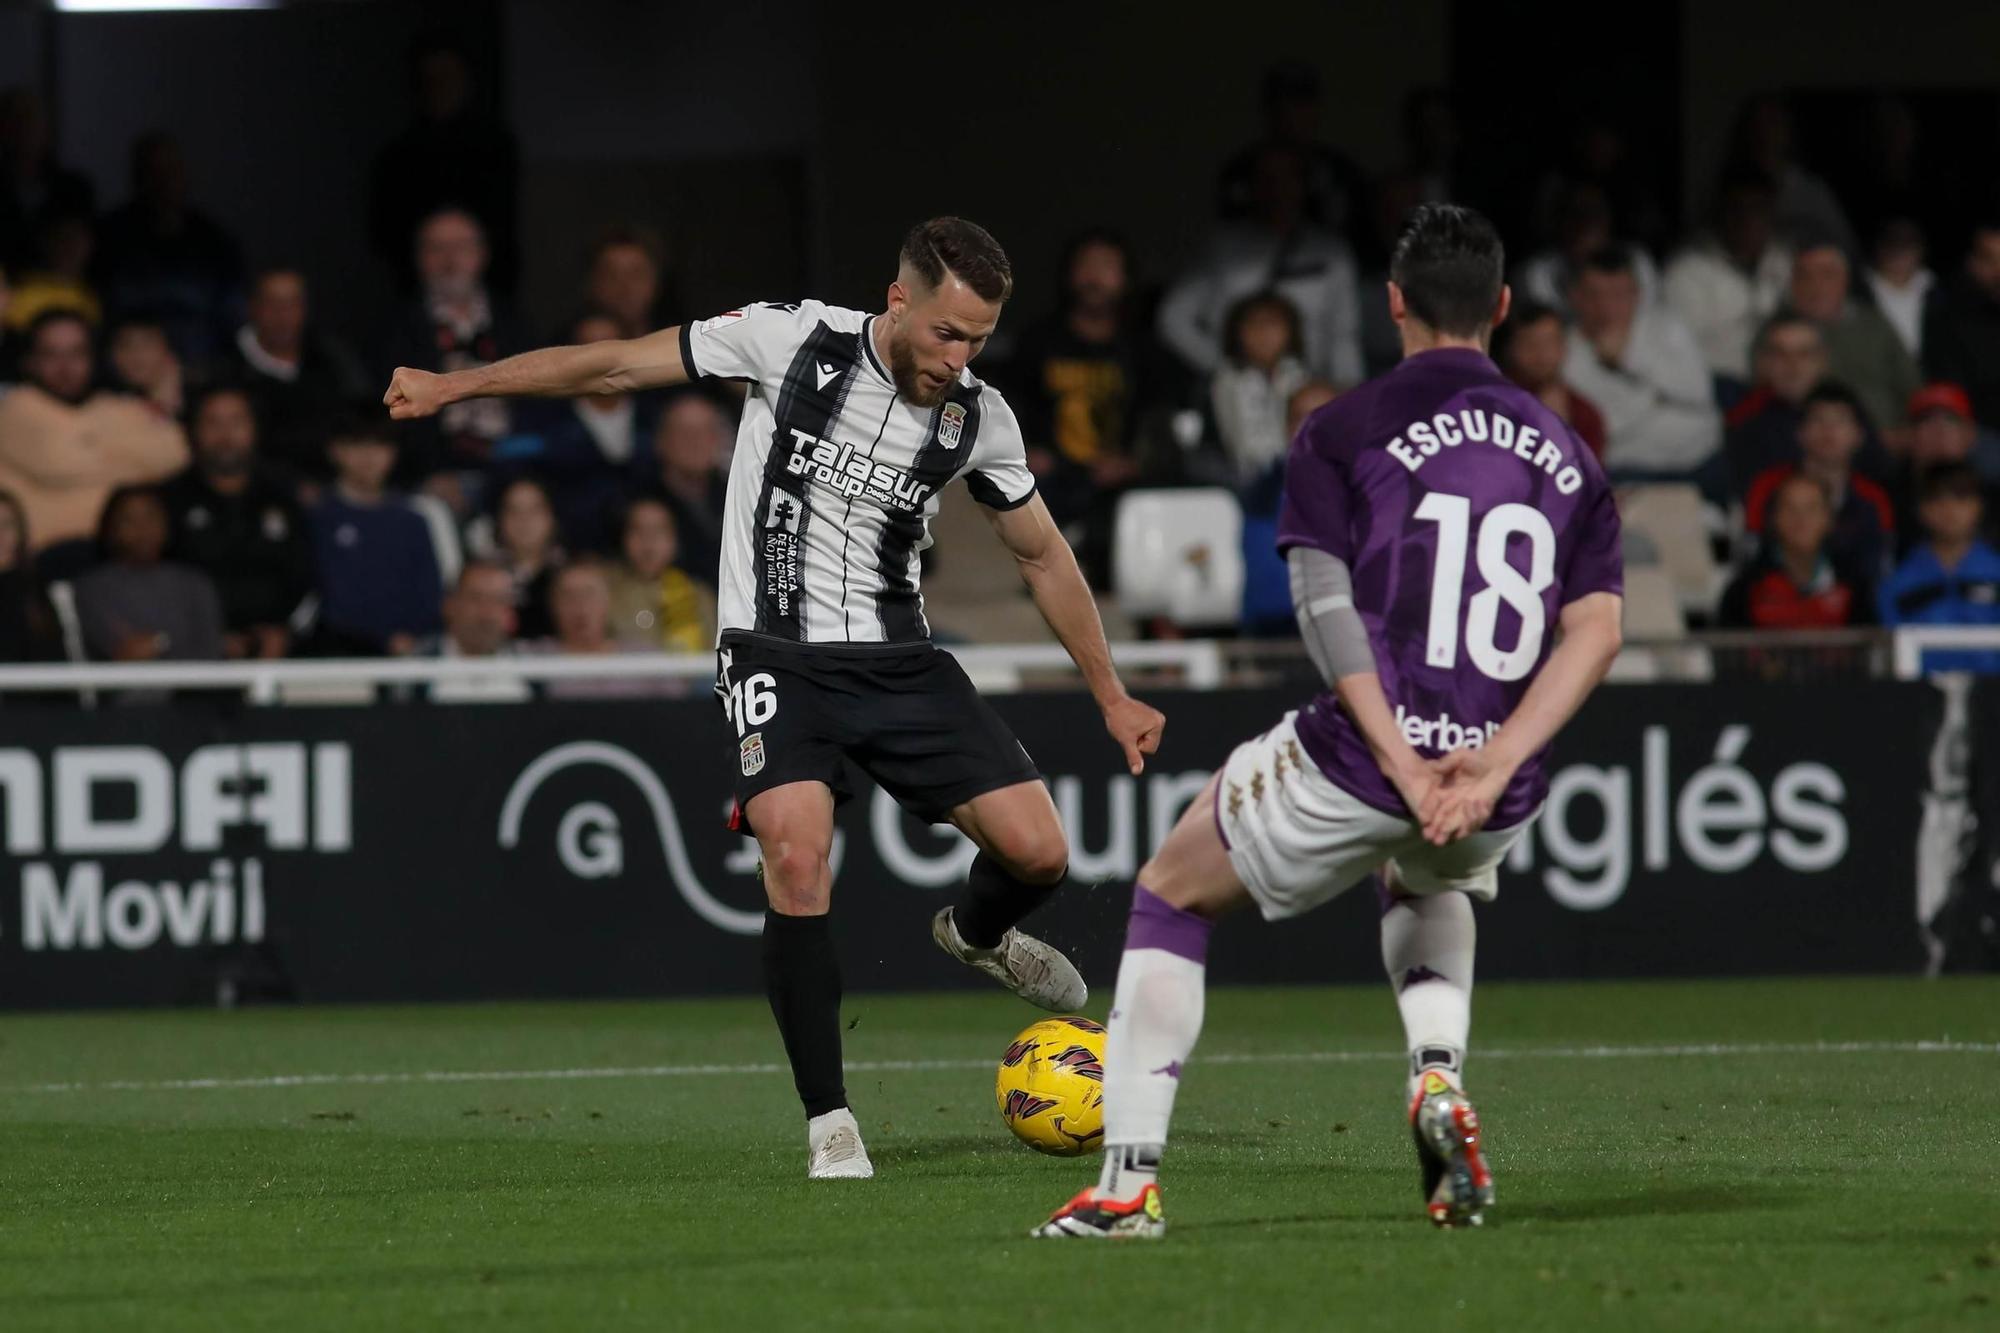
x=751 y=751
x=951 y=425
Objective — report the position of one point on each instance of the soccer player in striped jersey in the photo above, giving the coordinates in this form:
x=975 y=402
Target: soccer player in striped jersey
x=1456 y=573
x=854 y=424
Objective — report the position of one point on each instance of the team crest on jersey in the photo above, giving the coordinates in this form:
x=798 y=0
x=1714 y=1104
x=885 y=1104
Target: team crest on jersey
x=752 y=753
x=951 y=425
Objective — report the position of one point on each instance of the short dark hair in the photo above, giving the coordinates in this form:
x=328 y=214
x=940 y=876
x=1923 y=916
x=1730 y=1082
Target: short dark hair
x=208 y=393
x=1232 y=324
x=963 y=249
x=117 y=500
x=1958 y=478
x=1610 y=259
x=1785 y=318
x=363 y=428
x=1834 y=393
x=48 y=319
x=1450 y=265
x=621 y=234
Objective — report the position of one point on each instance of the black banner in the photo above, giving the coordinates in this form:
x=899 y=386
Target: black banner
x=409 y=852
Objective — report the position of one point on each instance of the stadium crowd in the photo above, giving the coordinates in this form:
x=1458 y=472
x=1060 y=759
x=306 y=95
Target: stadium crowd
x=1800 y=400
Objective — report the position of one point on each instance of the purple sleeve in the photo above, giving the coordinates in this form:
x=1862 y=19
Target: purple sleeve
x=1597 y=564
x=1315 y=508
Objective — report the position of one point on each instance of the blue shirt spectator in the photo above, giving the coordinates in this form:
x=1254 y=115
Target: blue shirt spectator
x=1954 y=577
x=380 y=589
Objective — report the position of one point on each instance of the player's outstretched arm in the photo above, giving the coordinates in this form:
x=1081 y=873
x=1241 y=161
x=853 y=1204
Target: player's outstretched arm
x=621 y=365
x=1049 y=569
x=1337 y=641
x=1473 y=780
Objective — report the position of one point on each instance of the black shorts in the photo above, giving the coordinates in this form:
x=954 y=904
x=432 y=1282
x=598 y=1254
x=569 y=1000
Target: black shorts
x=906 y=715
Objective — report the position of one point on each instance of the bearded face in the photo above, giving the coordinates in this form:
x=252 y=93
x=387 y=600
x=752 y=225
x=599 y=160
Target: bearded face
x=933 y=335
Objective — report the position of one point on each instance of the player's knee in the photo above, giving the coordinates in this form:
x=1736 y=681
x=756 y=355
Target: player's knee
x=1042 y=860
x=794 y=876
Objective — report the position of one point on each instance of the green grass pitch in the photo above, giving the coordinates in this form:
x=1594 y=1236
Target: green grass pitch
x=1821 y=1166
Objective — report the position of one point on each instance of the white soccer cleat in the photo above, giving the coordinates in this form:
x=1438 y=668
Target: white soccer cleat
x=1034 y=970
x=834 y=1150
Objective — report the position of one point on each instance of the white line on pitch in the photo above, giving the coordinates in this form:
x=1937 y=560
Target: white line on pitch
x=901 y=1066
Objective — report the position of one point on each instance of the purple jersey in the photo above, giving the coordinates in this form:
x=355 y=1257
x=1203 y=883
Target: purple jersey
x=1470 y=515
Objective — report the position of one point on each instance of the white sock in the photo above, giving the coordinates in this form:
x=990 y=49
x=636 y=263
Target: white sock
x=1427 y=952
x=1155 y=1021
x=820 y=1127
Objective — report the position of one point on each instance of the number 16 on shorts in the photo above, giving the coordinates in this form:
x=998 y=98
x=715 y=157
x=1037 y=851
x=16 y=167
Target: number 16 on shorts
x=753 y=702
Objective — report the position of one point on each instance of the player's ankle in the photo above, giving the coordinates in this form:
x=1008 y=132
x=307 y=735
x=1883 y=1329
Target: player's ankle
x=1128 y=1169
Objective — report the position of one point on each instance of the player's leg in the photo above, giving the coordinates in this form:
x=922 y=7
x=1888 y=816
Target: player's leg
x=1428 y=937
x=939 y=748
x=793 y=824
x=1156 y=1016
x=1023 y=857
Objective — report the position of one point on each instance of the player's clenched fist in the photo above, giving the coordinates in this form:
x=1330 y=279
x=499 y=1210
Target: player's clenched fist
x=413 y=393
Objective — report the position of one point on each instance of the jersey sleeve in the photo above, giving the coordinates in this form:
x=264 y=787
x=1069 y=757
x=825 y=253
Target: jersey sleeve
x=754 y=343
x=1597 y=562
x=998 y=475
x=1318 y=495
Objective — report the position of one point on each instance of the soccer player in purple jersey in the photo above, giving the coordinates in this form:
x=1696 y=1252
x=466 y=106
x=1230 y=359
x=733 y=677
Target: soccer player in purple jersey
x=1454 y=553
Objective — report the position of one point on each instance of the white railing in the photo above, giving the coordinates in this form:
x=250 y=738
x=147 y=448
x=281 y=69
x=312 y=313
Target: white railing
x=1911 y=640
x=994 y=667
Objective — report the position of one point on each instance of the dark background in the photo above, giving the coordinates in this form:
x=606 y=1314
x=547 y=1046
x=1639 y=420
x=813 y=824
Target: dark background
x=783 y=145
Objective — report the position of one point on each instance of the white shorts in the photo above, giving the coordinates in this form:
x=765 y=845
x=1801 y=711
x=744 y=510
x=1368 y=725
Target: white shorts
x=1296 y=840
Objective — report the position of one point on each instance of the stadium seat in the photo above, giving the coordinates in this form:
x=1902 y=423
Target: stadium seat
x=1179 y=554
x=1670 y=516
x=1652 y=605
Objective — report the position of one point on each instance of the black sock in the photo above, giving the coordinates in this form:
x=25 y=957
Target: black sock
x=802 y=978
x=994 y=900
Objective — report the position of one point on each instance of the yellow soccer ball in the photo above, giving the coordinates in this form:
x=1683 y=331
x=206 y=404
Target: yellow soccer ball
x=1051 y=1086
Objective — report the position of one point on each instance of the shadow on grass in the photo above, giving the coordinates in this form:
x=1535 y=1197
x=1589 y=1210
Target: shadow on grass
x=1676 y=1201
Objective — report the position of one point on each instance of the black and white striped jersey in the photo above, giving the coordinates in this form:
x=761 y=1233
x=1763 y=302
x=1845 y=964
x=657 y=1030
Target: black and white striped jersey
x=836 y=475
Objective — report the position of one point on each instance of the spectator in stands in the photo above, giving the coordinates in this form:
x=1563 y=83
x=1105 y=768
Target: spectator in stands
x=1900 y=283
x=478 y=622
x=1953 y=576
x=1641 y=367
x=1726 y=284
x=479 y=619
x=528 y=545
x=626 y=279
x=161 y=255
x=137 y=606
x=236 y=522
x=689 y=445
x=453 y=325
x=378 y=570
x=1943 y=432
x=580 y=609
x=28 y=631
x=1962 y=326
x=1532 y=347
x=652 y=602
x=587 y=449
x=1796 y=584
x=1788 y=361
x=1249 y=393
x=57 y=273
x=1081 y=380
x=1832 y=430
x=1335 y=187
x=1582 y=228
x=1862 y=350
x=1806 y=206
x=64 y=446
x=300 y=379
x=1277 y=247
x=33 y=184
x=145 y=363
x=452 y=155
